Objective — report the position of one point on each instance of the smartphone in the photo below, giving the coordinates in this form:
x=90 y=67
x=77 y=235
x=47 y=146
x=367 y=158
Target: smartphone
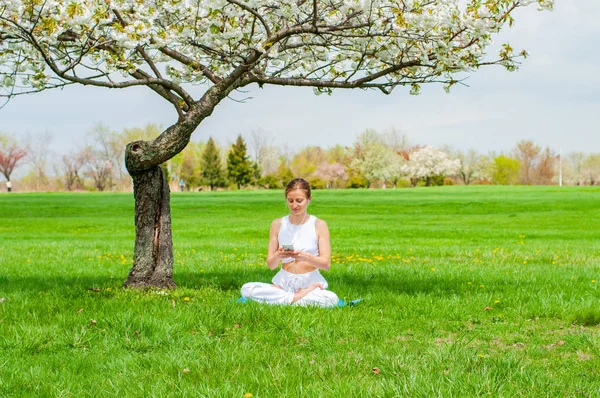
x=288 y=247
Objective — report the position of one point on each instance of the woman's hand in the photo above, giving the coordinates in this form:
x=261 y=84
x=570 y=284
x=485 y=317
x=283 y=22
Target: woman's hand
x=299 y=255
x=304 y=291
x=315 y=285
x=281 y=253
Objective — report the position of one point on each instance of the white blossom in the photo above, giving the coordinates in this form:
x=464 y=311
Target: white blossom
x=74 y=38
x=430 y=162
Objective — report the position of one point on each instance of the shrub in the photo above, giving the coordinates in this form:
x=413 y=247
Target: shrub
x=271 y=181
x=437 y=181
x=317 y=183
x=403 y=184
x=357 y=182
x=448 y=181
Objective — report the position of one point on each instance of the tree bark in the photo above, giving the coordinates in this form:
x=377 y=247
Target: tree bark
x=153 y=253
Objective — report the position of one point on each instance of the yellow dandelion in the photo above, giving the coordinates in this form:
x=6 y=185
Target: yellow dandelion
x=593 y=281
x=481 y=355
x=468 y=283
x=248 y=395
x=186 y=299
x=497 y=301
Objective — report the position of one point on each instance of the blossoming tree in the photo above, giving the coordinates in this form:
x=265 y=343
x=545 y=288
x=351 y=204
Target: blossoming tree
x=11 y=155
x=168 y=45
x=428 y=162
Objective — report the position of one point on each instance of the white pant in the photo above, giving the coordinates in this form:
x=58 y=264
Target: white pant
x=290 y=283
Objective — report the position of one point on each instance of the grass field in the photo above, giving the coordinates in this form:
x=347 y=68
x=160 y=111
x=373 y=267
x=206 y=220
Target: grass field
x=468 y=291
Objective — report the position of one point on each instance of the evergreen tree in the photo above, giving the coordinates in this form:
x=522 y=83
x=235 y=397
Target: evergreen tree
x=239 y=169
x=210 y=163
x=256 y=174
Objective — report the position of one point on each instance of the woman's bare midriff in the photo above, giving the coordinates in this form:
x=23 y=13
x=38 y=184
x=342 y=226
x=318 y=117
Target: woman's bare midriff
x=298 y=267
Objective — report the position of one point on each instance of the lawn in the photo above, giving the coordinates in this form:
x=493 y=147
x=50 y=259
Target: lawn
x=468 y=291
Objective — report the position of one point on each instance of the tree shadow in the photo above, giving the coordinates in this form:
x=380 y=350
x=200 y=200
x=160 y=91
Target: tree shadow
x=35 y=284
x=383 y=283
x=232 y=280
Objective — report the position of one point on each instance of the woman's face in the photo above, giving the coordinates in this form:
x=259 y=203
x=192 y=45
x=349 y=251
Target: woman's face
x=297 y=201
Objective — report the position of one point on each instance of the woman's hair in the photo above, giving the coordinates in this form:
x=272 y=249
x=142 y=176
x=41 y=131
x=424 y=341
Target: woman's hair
x=298 y=183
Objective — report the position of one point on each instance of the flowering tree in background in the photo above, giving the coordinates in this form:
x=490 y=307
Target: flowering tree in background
x=473 y=166
x=11 y=155
x=99 y=168
x=166 y=45
x=331 y=172
x=429 y=162
x=396 y=169
x=379 y=162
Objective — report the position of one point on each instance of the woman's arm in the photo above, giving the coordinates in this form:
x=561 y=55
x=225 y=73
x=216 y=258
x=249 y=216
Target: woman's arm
x=274 y=254
x=323 y=260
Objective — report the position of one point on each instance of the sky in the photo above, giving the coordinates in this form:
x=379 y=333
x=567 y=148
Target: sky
x=554 y=100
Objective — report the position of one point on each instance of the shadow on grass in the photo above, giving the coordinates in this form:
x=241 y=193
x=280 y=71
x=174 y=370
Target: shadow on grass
x=33 y=284
x=232 y=280
x=340 y=282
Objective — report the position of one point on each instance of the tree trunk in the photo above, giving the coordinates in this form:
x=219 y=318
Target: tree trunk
x=153 y=254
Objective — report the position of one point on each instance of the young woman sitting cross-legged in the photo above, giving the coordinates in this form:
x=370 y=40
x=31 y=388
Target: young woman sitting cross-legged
x=301 y=243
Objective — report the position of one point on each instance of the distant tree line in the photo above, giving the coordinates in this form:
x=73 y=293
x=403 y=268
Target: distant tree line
x=374 y=160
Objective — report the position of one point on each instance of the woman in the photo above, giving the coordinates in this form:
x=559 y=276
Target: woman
x=301 y=243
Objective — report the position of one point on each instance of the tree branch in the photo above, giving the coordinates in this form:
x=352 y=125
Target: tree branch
x=192 y=63
x=253 y=12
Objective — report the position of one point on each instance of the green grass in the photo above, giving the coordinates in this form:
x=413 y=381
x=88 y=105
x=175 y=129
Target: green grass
x=469 y=291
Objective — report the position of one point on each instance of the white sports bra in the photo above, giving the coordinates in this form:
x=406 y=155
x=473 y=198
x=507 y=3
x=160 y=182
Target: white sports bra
x=303 y=237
